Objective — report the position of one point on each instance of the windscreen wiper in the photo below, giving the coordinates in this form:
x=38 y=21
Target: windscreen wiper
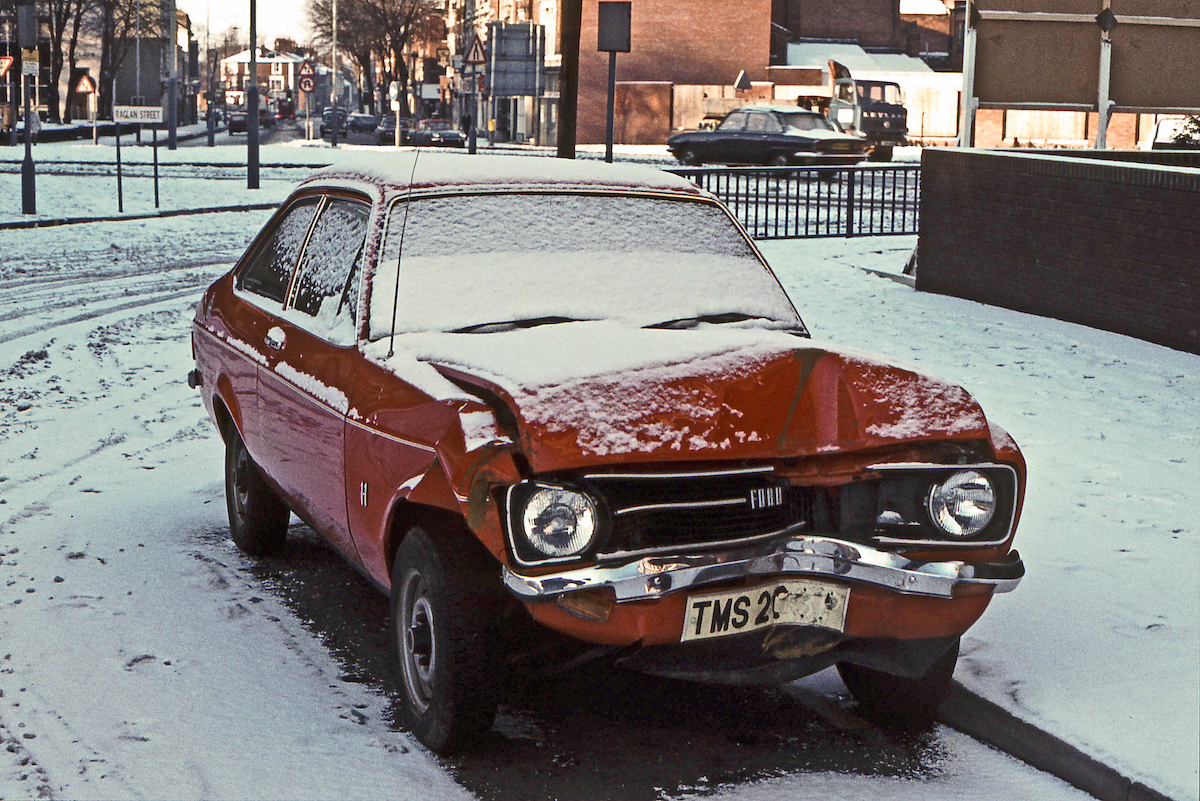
x=691 y=322
x=512 y=325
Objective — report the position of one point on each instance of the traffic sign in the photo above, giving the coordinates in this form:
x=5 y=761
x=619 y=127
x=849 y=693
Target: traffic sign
x=29 y=61
x=307 y=84
x=306 y=70
x=475 y=55
x=152 y=115
x=84 y=87
x=5 y=63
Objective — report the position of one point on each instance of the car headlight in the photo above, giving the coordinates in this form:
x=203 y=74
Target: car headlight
x=963 y=504
x=557 y=522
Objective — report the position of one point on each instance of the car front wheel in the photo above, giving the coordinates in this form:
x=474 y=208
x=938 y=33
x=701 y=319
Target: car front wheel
x=897 y=701
x=445 y=638
x=258 y=519
x=688 y=157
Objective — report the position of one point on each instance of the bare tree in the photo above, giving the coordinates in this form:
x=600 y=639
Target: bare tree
x=375 y=34
x=66 y=22
x=114 y=23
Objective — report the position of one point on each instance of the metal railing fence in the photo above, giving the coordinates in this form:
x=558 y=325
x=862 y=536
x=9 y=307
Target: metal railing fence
x=803 y=202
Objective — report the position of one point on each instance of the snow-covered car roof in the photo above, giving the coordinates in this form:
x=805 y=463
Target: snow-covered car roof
x=459 y=171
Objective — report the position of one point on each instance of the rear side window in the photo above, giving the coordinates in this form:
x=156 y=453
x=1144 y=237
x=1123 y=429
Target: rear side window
x=324 y=286
x=269 y=270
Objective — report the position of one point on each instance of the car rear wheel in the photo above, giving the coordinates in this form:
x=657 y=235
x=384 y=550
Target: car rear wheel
x=880 y=153
x=896 y=701
x=445 y=637
x=258 y=519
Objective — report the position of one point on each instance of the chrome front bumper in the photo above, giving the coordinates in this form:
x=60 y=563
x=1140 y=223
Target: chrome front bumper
x=816 y=557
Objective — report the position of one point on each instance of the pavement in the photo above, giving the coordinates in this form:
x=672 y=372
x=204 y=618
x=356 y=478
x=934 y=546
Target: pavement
x=962 y=709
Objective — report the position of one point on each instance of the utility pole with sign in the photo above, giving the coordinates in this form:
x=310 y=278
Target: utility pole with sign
x=475 y=58
x=307 y=83
x=613 y=37
x=27 y=38
x=6 y=63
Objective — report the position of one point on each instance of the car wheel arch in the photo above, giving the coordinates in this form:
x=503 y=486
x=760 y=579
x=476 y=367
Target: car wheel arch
x=405 y=515
x=226 y=412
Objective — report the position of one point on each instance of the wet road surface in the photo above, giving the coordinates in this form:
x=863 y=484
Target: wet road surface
x=603 y=731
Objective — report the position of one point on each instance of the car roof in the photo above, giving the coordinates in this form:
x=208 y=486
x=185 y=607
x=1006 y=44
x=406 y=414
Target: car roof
x=460 y=171
x=779 y=109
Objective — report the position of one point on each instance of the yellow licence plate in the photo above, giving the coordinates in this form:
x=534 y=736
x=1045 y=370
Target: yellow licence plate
x=794 y=602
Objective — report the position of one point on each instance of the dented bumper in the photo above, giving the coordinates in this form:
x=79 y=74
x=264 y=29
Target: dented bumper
x=813 y=557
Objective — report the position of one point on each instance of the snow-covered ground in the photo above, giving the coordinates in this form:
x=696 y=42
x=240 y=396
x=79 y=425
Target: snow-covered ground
x=138 y=657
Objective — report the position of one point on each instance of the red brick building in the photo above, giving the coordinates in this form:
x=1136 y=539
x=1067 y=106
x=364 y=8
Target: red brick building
x=693 y=42
x=874 y=23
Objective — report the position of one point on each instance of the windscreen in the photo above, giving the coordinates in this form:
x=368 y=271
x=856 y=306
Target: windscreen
x=479 y=259
x=806 y=122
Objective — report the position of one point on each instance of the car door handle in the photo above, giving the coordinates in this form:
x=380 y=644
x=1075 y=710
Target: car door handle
x=275 y=339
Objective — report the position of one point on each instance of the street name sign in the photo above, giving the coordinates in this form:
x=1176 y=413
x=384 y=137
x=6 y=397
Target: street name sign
x=152 y=115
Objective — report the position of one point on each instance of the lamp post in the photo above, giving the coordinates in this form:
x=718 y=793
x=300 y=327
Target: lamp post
x=27 y=37
x=252 y=105
x=333 y=86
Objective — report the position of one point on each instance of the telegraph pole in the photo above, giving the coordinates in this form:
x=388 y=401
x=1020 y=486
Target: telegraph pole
x=172 y=74
x=568 y=94
x=27 y=37
x=252 y=104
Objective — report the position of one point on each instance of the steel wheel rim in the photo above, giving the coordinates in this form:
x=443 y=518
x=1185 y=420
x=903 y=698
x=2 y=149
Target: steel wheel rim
x=418 y=656
x=241 y=483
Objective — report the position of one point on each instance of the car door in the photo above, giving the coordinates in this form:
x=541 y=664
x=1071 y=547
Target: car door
x=262 y=287
x=310 y=363
x=727 y=139
x=762 y=134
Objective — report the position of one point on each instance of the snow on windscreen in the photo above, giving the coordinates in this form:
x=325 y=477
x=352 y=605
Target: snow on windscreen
x=471 y=260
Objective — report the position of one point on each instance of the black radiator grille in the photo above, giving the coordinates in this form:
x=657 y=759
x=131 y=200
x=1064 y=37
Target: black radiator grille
x=658 y=512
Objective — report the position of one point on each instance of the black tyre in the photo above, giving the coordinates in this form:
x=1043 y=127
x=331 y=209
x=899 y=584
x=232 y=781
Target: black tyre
x=445 y=637
x=258 y=519
x=688 y=158
x=896 y=701
x=779 y=160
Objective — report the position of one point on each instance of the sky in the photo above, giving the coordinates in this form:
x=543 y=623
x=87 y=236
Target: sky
x=275 y=17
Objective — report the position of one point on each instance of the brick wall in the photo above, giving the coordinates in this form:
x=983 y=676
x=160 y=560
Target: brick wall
x=874 y=23
x=1111 y=245
x=694 y=42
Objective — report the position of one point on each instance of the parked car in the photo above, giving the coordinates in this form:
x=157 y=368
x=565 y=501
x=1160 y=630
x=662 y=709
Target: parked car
x=332 y=118
x=362 y=123
x=385 y=133
x=437 y=133
x=1174 y=133
x=771 y=135
x=237 y=122
x=556 y=401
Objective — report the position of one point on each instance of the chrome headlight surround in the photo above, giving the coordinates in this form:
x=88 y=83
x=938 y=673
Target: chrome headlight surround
x=912 y=486
x=550 y=522
x=963 y=504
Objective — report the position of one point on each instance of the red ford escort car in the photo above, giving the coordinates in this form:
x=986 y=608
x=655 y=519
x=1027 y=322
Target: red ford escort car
x=540 y=398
